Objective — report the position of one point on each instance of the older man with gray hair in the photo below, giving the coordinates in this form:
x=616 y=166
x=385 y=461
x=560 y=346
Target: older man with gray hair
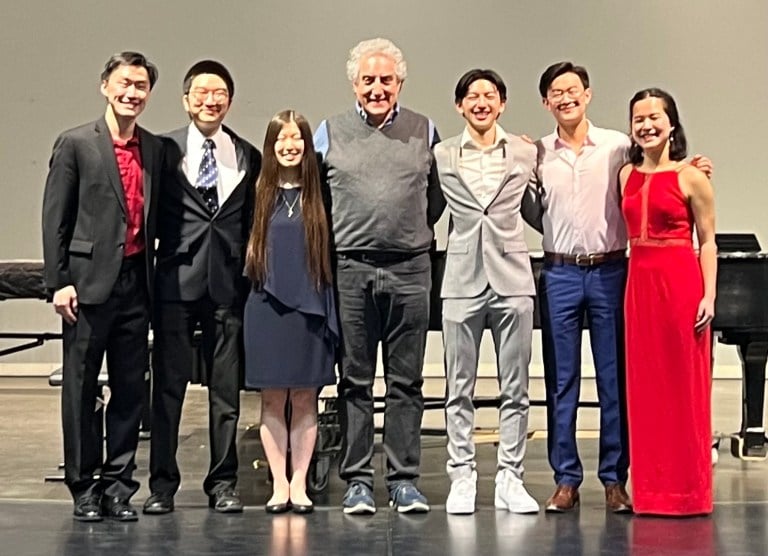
x=384 y=199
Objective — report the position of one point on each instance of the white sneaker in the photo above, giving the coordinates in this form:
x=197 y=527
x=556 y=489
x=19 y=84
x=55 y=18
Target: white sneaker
x=512 y=496
x=461 y=498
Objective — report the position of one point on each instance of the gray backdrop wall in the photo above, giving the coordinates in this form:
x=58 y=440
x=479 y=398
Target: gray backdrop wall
x=712 y=55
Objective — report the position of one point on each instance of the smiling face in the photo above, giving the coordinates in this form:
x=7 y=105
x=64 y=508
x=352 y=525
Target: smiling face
x=651 y=127
x=127 y=89
x=567 y=99
x=289 y=146
x=377 y=87
x=481 y=106
x=207 y=102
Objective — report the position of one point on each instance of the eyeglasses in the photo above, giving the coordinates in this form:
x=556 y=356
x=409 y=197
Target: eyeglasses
x=558 y=94
x=201 y=95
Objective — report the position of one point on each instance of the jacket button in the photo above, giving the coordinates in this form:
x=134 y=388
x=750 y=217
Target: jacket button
x=485 y=212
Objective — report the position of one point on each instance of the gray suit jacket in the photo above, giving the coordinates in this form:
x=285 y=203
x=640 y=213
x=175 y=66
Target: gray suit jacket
x=486 y=244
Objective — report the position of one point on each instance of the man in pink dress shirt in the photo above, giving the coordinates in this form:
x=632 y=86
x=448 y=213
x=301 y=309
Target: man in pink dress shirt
x=584 y=241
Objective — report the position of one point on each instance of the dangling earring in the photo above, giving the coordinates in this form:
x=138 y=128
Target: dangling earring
x=671 y=138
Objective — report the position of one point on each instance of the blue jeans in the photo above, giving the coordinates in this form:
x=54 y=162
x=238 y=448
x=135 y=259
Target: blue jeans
x=568 y=295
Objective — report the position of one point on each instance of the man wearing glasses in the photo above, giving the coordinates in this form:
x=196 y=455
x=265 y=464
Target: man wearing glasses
x=203 y=225
x=584 y=270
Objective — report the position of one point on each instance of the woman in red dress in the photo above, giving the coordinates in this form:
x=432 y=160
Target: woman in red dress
x=669 y=305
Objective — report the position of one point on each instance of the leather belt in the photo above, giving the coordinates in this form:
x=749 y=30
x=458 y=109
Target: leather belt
x=378 y=257
x=584 y=259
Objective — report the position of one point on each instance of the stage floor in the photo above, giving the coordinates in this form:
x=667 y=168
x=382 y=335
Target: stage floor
x=35 y=516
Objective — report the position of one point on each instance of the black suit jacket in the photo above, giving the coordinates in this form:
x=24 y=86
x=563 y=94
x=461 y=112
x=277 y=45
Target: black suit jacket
x=199 y=252
x=84 y=211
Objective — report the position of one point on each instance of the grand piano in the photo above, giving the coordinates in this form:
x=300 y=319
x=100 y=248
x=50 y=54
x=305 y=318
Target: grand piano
x=741 y=319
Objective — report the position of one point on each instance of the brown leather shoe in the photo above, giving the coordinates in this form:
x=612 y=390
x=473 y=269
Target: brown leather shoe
x=564 y=499
x=616 y=499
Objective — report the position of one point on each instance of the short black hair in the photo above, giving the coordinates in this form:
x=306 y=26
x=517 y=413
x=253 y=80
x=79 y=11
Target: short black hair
x=556 y=70
x=213 y=67
x=678 y=144
x=129 y=58
x=462 y=87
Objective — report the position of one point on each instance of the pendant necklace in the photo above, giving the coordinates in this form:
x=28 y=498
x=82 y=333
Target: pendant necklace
x=290 y=205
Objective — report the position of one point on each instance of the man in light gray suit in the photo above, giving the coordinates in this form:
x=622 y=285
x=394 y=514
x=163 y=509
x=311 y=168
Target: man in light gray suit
x=488 y=282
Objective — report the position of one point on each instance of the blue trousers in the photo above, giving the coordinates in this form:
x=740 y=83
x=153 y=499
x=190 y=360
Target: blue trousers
x=568 y=295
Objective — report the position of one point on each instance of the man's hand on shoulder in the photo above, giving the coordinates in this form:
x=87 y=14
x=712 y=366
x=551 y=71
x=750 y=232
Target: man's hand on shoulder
x=703 y=163
x=65 y=303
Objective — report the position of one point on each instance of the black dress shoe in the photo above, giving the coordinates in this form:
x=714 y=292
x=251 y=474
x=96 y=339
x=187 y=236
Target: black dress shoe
x=225 y=501
x=158 y=504
x=280 y=508
x=118 y=509
x=88 y=508
x=302 y=508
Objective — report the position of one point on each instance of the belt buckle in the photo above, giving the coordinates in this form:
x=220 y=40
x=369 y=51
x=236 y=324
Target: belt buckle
x=584 y=259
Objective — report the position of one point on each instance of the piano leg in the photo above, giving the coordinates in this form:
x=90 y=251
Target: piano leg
x=749 y=443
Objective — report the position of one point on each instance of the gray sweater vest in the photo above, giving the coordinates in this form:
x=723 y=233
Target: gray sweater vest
x=378 y=183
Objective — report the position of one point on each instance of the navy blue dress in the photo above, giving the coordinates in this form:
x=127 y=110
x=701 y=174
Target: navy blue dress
x=290 y=328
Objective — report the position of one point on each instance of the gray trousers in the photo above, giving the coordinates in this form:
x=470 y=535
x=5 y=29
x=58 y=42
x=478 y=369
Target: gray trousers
x=511 y=322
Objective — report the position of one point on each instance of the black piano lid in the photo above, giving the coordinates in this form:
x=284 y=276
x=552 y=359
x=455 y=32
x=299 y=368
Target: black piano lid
x=737 y=243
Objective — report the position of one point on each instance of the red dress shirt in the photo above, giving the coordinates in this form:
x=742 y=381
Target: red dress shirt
x=132 y=175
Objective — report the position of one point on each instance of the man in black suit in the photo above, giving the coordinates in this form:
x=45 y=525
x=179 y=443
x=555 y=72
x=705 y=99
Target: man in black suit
x=98 y=236
x=205 y=210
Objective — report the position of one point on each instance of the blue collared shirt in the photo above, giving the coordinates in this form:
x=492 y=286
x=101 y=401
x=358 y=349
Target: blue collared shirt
x=321 y=133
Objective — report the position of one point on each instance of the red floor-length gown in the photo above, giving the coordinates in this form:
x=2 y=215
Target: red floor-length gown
x=668 y=362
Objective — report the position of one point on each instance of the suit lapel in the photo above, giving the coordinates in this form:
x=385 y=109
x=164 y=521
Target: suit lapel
x=235 y=198
x=455 y=161
x=512 y=169
x=147 y=162
x=243 y=163
x=180 y=137
x=107 y=153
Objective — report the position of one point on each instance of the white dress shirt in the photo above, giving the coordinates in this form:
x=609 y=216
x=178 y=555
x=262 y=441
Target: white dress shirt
x=226 y=160
x=580 y=193
x=483 y=168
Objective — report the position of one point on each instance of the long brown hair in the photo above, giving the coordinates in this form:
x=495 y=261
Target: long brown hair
x=312 y=208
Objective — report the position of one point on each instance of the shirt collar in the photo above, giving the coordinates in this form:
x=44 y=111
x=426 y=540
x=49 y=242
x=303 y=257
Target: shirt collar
x=390 y=119
x=197 y=139
x=128 y=143
x=589 y=140
x=467 y=141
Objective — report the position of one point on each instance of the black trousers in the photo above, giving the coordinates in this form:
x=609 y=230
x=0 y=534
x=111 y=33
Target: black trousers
x=385 y=303
x=174 y=325
x=118 y=327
